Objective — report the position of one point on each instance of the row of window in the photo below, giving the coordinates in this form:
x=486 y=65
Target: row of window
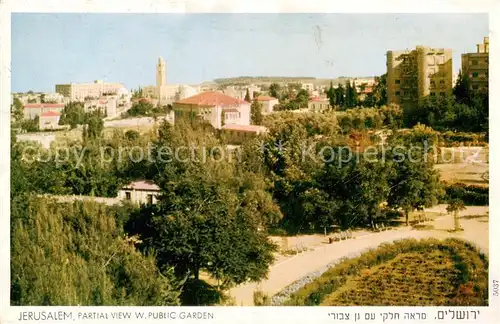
x=476 y=74
x=476 y=62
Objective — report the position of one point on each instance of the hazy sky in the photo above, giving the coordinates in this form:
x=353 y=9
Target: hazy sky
x=62 y=48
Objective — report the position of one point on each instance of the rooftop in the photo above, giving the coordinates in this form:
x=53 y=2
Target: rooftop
x=211 y=98
x=50 y=114
x=265 y=98
x=44 y=105
x=142 y=185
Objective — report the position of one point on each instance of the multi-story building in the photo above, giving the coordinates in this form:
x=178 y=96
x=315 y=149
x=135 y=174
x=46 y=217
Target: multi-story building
x=83 y=91
x=476 y=65
x=416 y=74
x=215 y=108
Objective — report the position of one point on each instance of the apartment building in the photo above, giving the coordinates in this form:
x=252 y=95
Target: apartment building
x=82 y=91
x=476 y=66
x=415 y=74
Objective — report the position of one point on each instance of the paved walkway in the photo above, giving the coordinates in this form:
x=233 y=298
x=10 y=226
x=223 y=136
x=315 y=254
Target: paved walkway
x=289 y=270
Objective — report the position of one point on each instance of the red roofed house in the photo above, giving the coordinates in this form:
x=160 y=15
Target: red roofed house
x=365 y=92
x=31 y=111
x=214 y=107
x=49 y=120
x=140 y=192
x=268 y=103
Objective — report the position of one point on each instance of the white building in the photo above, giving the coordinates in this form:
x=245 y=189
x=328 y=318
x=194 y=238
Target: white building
x=319 y=104
x=49 y=120
x=82 y=91
x=268 y=103
x=112 y=106
x=307 y=86
x=140 y=192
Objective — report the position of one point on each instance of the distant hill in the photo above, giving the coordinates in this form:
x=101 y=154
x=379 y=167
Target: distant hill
x=246 y=80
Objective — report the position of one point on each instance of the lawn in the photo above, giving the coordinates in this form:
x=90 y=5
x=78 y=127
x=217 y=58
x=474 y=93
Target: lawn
x=405 y=273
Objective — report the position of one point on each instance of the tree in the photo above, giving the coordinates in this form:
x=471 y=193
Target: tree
x=274 y=90
x=380 y=90
x=52 y=262
x=17 y=110
x=455 y=206
x=415 y=182
x=462 y=92
x=302 y=98
x=330 y=94
x=247 y=96
x=256 y=112
x=73 y=114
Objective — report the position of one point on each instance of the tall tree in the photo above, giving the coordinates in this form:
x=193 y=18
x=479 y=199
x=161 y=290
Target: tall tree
x=274 y=90
x=247 y=96
x=256 y=112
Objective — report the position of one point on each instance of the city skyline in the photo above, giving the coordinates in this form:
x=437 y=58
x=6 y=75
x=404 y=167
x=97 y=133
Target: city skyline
x=49 y=49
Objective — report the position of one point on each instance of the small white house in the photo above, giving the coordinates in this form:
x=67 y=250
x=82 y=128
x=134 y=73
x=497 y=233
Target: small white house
x=140 y=192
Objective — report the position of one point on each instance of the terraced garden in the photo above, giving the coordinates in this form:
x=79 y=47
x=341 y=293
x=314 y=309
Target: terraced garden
x=405 y=273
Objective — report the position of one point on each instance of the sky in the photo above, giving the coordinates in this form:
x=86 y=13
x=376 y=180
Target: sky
x=49 y=49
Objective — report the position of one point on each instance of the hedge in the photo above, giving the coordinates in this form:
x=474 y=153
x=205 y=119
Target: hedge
x=469 y=194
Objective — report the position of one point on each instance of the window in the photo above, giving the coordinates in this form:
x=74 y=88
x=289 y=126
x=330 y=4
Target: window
x=433 y=94
x=441 y=81
x=398 y=93
x=150 y=199
x=475 y=74
x=475 y=87
x=441 y=94
x=127 y=195
x=398 y=81
x=474 y=62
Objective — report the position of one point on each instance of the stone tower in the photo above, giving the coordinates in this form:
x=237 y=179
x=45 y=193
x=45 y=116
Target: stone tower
x=161 y=81
x=161 y=73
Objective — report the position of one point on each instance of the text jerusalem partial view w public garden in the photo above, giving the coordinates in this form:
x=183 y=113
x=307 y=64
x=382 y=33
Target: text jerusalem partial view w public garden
x=249 y=159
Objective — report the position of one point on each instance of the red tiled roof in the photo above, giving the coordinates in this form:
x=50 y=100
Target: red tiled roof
x=45 y=105
x=211 y=98
x=244 y=128
x=142 y=185
x=50 y=114
x=319 y=99
x=265 y=98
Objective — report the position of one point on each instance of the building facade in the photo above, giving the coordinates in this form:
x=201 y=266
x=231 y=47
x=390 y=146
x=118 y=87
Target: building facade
x=83 y=91
x=268 y=103
x=140 y=192
x=476 y=67
x=318 y=104
x=416 y=74
x=31 y=111
x=238 y=134
x=49 y=120
x=214 y=107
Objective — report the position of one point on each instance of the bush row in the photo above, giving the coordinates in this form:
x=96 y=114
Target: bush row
x=469 y=194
